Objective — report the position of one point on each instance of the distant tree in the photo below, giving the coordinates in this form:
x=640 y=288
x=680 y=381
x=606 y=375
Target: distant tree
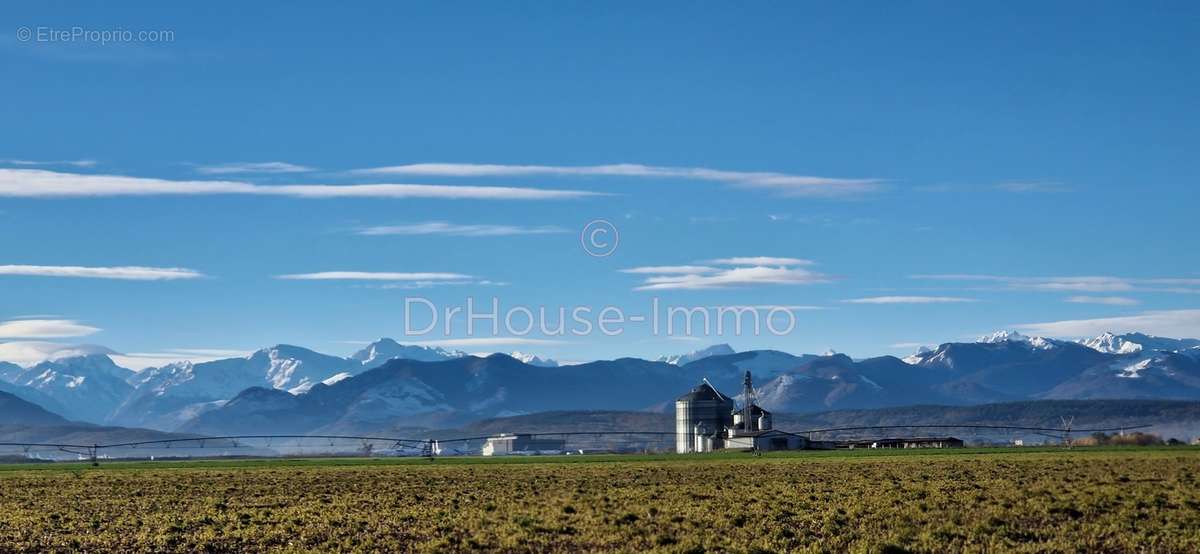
x=1136 y=439
x=1130 y=439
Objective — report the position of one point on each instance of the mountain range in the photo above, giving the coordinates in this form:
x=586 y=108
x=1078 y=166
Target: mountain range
x=388 y=385
x=22 y=421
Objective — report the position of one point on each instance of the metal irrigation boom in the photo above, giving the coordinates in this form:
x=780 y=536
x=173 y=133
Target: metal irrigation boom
x=432 y=446
x=1067 y=429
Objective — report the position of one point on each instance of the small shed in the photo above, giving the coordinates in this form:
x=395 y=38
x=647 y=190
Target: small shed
x=508 y=444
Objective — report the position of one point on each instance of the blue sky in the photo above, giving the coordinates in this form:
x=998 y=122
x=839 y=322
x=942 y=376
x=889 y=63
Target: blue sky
x=929 y=171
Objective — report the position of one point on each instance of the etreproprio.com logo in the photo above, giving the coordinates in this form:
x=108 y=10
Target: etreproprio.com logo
x=46 y=34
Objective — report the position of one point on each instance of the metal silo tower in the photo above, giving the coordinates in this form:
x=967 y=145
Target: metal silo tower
x=701 y=417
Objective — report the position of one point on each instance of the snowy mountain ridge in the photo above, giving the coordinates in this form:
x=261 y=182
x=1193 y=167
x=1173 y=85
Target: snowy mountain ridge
x=384 y=349
x=533 y=359
x=1132 y=343
x=684 y=359
x=1003 y=336
x=87 y=387
x=180 y=391
x=1111 y=344
x=438 y=383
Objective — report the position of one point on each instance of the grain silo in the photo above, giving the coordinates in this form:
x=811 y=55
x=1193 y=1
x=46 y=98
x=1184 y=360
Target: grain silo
x=701 y=417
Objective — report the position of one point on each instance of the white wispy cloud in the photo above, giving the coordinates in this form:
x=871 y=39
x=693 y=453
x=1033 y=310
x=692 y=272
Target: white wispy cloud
x=761 y=260
x=461 y=230
x=1168 y=323
x=138 y=361
x=486 y=341
x=444 y=283
x=907 y=345
x=682 y=338
x=735 y=277
x=126 y=273
x=770 y=307
x=1106 y=300
x=217 y=352
x=375 y=276
x=252 y=167
x=385 y=280
x=781 y=182
x=37 y=183
x=669 y=269
x=1087 y=283
x=909 y=300
x=44 y=329
x=36 y=163
x=27 y=353
x=738 y=272
x=1070 y=283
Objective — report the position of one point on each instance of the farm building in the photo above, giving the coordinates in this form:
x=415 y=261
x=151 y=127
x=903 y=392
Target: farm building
x=706 y=420
x=509 y=444
x=766 y=440
x=907 y=442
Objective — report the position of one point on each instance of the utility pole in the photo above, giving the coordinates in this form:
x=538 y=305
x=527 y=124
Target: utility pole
x=748 y=401
x=1067 y=422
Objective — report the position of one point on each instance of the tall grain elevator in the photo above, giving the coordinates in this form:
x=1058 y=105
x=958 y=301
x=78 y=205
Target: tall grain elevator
x=701 y=417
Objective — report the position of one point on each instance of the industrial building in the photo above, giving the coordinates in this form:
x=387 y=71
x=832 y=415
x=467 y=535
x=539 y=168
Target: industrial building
x=701 y=418
x=706 y=420
x=516 y=445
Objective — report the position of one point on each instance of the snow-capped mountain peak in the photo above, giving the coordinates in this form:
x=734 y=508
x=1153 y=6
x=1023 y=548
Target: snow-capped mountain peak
x=532 y=359
x=916 y=358
x=1132 y=343
x=382 y=350
x=1003 y=336
x=1112 y=344
x=683 y=359
x=87 y=386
